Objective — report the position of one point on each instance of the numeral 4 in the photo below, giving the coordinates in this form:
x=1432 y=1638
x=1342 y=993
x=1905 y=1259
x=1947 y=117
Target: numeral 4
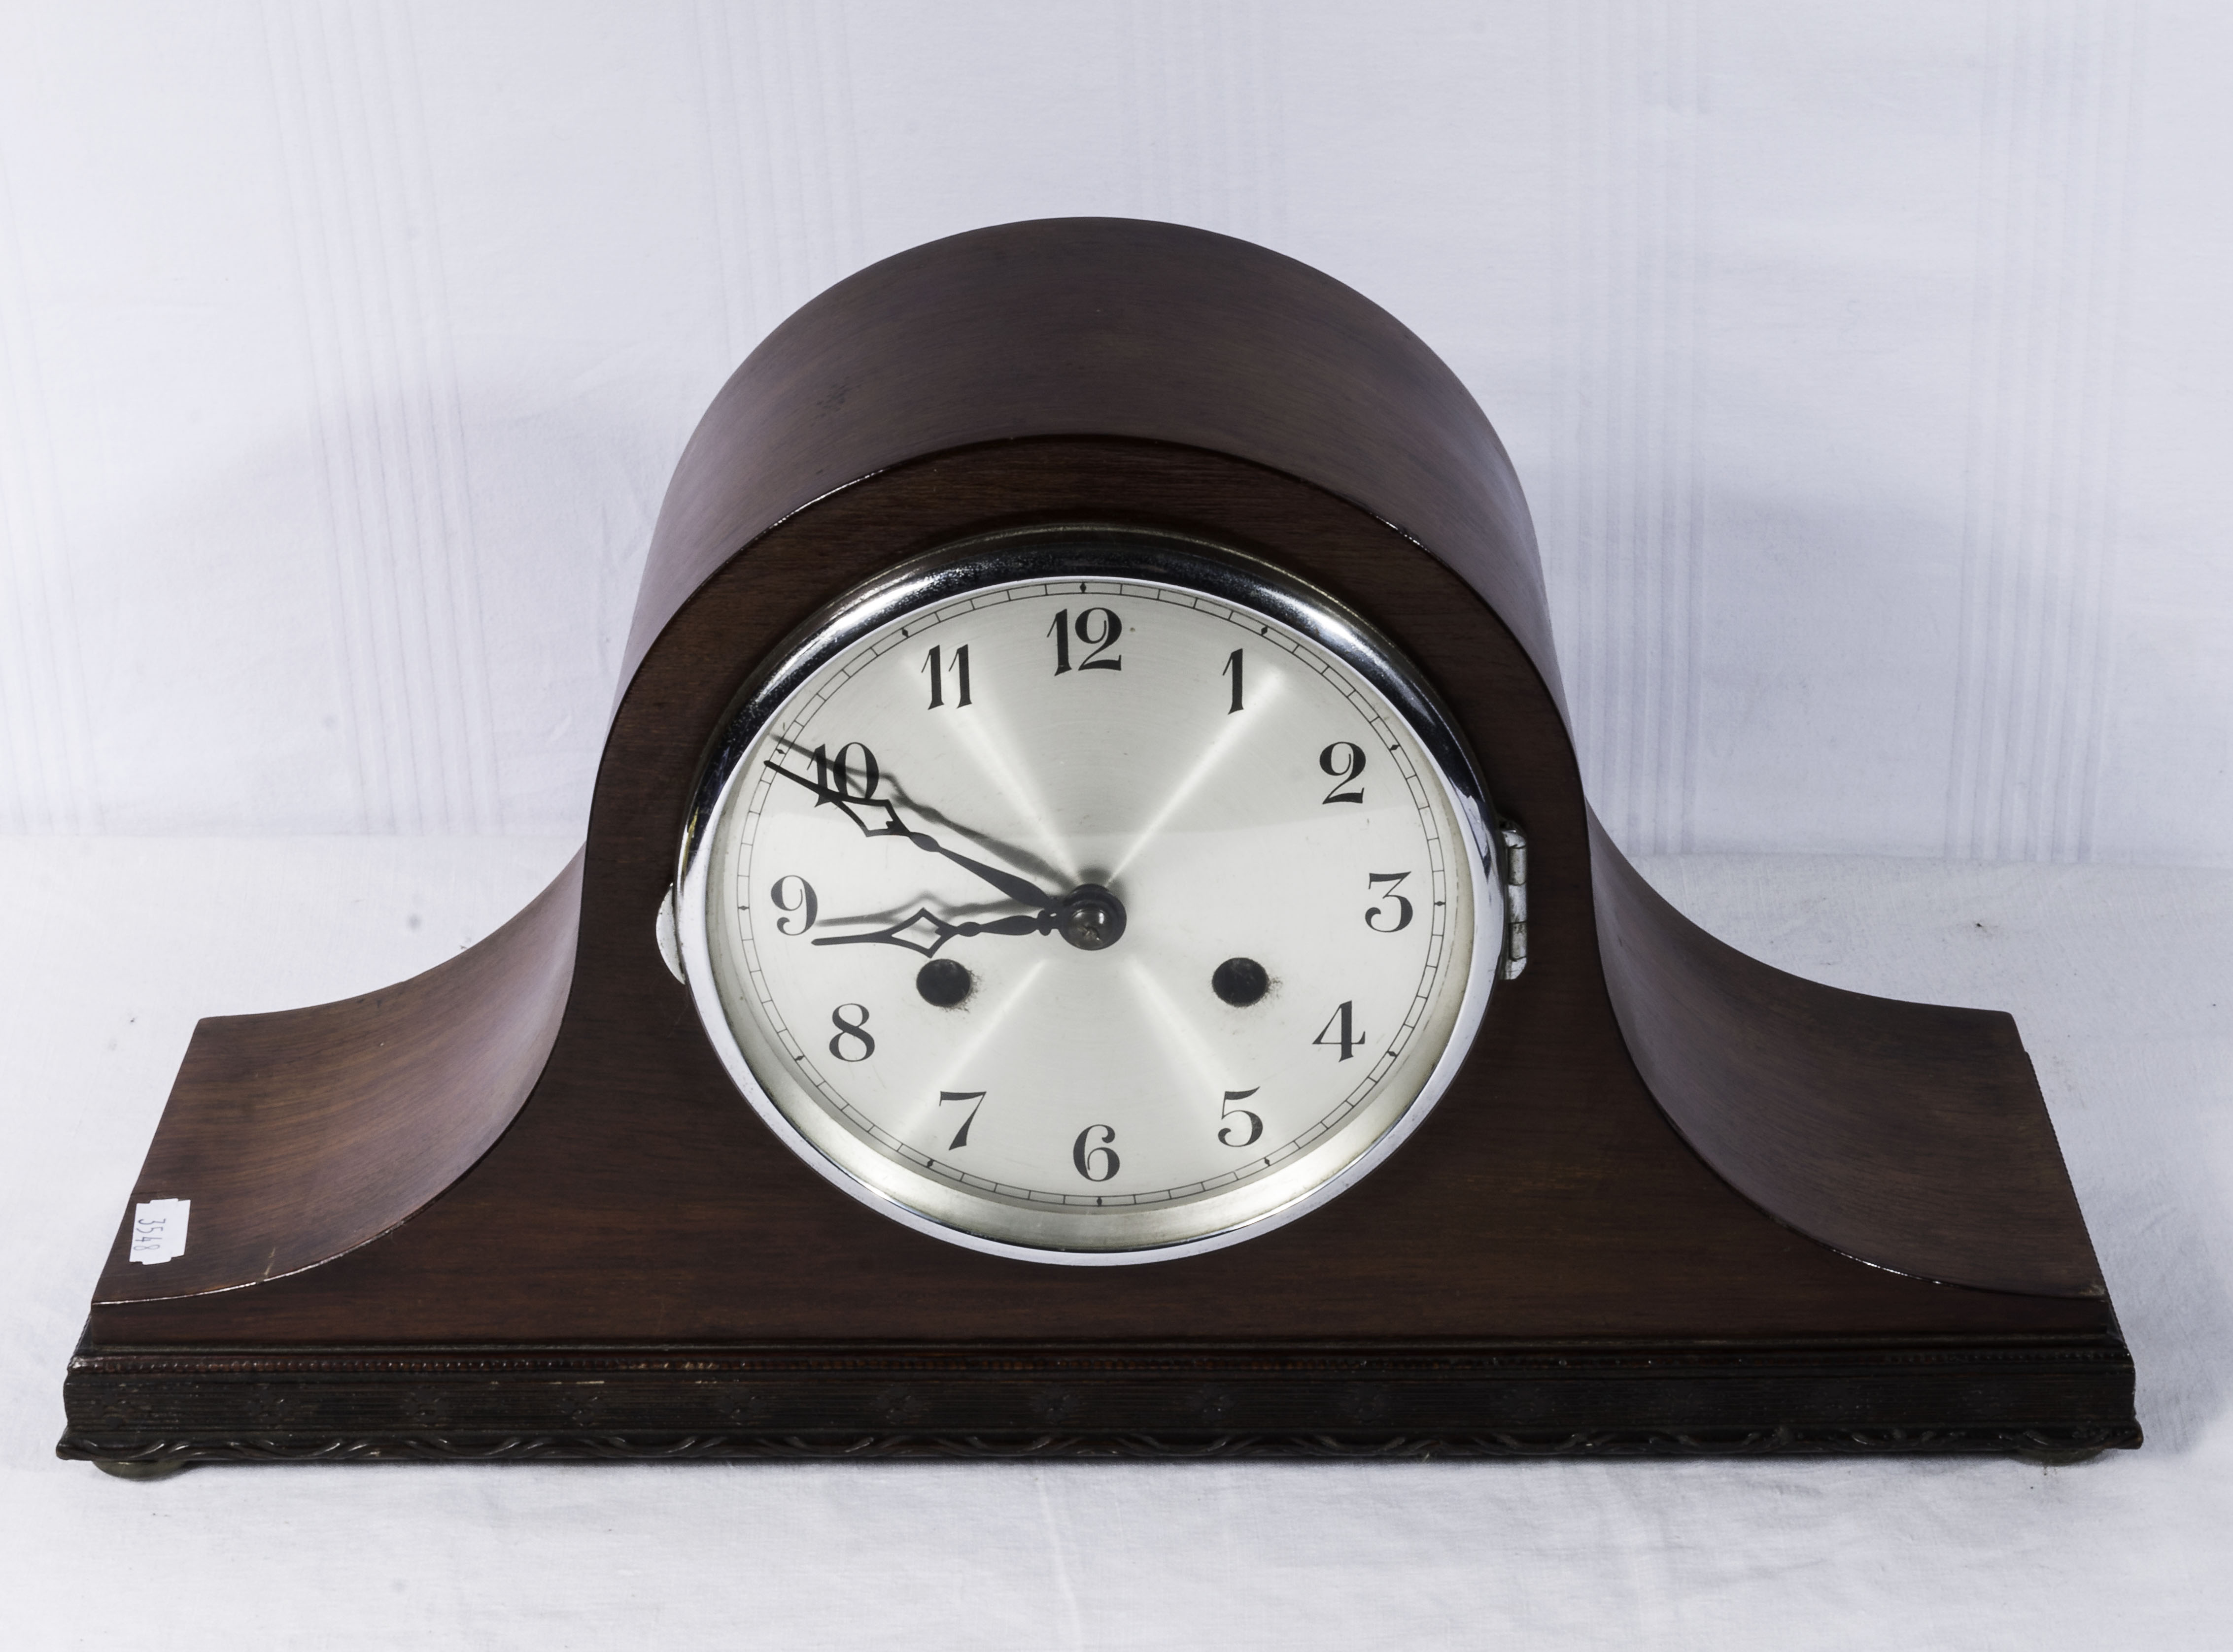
x=1348 y=1037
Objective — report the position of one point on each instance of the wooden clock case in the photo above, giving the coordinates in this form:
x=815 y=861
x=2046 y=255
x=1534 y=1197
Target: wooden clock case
x=1676 y=1202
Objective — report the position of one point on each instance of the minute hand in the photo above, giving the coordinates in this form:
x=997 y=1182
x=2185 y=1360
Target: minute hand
x=1007 y=883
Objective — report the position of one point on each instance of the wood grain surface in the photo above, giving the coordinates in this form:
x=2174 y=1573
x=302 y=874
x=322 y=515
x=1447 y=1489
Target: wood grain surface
x=302 y=1133
x=1546 y=1195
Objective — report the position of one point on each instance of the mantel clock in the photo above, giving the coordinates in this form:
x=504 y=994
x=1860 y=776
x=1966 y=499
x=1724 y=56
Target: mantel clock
x=1091 y=942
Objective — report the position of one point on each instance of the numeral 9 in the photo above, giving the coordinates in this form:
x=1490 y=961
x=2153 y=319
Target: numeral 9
x=801 y=901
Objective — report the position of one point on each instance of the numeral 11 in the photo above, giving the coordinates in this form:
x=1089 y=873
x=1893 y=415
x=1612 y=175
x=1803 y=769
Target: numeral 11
x=960 y=663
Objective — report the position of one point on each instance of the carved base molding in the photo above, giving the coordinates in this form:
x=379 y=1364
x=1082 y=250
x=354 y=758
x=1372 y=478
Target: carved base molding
x=2056 y=1444
x=675 y=1404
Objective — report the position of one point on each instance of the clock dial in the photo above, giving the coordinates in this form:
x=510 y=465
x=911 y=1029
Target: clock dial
x=1092 y=918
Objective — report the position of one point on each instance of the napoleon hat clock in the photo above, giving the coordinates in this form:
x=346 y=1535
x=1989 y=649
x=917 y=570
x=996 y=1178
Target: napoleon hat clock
x=1091 y=942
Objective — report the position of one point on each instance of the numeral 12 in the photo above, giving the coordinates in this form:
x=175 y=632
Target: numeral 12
x=1099 y=638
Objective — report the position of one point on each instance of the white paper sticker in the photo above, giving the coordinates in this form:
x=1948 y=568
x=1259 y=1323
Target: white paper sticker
x=158 y=1229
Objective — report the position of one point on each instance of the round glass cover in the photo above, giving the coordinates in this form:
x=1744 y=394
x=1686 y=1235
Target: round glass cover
x=1090 y=897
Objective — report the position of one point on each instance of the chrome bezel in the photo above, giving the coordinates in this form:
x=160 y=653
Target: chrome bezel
x=1090 y=551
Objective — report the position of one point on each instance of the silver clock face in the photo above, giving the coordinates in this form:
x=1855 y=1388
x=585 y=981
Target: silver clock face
x=1089 y=899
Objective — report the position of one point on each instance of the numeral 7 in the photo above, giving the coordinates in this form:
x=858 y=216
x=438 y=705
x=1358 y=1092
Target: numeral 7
x=961 y=1135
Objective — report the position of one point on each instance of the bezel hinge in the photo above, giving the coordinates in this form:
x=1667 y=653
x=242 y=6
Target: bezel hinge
x=1515 y=842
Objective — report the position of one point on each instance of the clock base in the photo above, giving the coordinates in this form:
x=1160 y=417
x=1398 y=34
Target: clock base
x=2049 y=1400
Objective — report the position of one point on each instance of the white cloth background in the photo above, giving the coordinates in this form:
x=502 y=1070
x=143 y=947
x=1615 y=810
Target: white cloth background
x=1866 y=366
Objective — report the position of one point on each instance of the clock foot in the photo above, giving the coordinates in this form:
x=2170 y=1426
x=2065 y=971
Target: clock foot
x=2060 y=1458
x=162 y=1468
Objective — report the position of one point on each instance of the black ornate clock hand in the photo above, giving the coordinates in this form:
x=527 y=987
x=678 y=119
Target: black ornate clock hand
x=891 y=936
x=1007 y=883
x=1091 y=918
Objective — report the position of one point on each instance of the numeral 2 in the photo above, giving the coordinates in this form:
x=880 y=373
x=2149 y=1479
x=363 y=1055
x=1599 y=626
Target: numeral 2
x=1349 y=1038
x=1331 y=761
x=961 y=678
x=1111 y=628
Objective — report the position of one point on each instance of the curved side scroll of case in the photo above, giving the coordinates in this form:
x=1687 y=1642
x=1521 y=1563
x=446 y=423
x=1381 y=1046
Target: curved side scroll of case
x=360 y=1111
x=1910 y=1135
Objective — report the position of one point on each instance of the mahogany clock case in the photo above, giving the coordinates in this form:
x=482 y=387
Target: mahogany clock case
x=1674 y=1202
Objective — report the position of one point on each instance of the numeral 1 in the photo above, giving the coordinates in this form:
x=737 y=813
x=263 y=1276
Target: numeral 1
x=960 y=664
x=1233 y=670
x=1349 y=1038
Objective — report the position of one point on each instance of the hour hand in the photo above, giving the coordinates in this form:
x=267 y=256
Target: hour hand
x=1007 y=883
x=941 y=931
